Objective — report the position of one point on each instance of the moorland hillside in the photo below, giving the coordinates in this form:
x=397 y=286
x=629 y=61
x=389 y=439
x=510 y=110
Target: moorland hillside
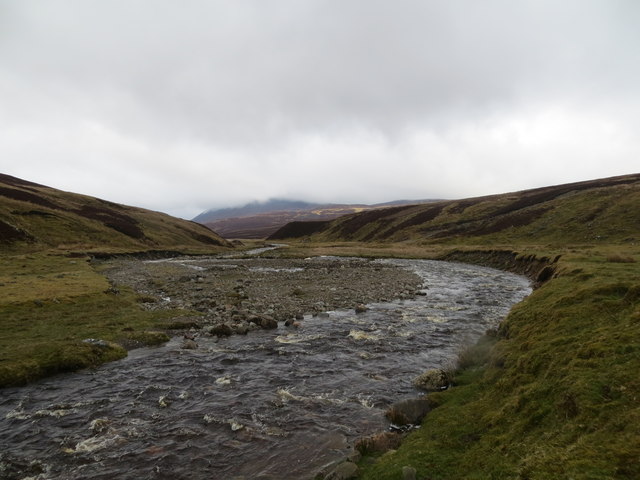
x=36 y=217
x=596 y=211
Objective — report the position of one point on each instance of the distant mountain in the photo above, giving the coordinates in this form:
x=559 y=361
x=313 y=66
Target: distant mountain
x=261 y=219
x=36 y=217
x=254 y=208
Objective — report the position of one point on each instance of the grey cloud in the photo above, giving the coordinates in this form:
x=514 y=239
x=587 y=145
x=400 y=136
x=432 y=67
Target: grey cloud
x=246 y=84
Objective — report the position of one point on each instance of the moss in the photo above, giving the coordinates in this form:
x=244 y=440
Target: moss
x=149 y=337
x=51 y=357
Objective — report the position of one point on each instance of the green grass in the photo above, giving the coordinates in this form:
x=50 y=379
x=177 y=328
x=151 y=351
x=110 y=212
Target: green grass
x=50 y=303
x=558 y=395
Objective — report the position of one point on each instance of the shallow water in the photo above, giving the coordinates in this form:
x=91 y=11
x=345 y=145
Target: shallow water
x=270 y=405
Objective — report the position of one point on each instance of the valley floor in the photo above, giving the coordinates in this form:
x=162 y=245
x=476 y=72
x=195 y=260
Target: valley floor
x=555 y=395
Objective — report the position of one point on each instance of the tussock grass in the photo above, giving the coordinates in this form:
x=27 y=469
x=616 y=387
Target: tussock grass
x=617 y=258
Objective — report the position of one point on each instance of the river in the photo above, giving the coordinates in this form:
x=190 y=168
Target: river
x=274 y=404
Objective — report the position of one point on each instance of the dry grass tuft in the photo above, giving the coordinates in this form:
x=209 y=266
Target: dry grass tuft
x=618 y=258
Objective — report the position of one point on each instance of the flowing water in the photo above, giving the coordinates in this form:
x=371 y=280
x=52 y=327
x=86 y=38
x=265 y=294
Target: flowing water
x=278 y=404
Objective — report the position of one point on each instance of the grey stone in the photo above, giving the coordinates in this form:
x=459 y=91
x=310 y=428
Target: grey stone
x=222 y=330
x=432 y=380
x=268 y=322
x=189 y=344
x=344 y=471
x=242 y=329
x=408 y=412
x=97 y=342
x=361 y=308
x=408 y=473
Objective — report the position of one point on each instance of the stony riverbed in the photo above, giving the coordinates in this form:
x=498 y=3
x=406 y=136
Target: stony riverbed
x=237 y=295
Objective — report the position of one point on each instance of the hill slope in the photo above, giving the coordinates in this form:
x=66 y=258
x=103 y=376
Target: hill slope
x=265 y=224
x=35 y=217
x=262 y=219
x=582 y=212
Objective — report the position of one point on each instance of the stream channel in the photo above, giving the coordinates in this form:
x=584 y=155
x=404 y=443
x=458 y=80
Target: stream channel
x=273 y=404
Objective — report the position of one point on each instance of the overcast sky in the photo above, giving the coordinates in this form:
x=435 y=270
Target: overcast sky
x=182 y=106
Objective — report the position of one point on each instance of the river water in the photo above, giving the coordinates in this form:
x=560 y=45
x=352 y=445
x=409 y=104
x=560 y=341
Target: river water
x=274 y=404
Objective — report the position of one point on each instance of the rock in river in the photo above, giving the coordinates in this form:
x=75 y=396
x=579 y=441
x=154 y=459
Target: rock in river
x=408 y=412
x=433 y=380
x=189 y=344
x=344 y=471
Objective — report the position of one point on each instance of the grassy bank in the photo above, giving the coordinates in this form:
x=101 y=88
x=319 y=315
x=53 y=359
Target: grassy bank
x=557 y=395
x=52 y=304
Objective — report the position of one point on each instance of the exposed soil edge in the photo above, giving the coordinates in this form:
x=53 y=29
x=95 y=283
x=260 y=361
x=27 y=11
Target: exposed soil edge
x=538 y=269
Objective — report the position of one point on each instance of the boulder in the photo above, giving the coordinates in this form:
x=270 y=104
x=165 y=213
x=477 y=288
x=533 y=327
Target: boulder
x=264 y=321
x=344 y=471
x=361 y=308
x=378 y=443
x=221 y=330
x=189 y=344
x=408 y=412
x=408 y=473
x=242 y=329
x=433 y=380
x=268 y=322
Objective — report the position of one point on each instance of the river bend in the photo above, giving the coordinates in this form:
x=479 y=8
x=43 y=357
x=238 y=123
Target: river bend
x=274 y=404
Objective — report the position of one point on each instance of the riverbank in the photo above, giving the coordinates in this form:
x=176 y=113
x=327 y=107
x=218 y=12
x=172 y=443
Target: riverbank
x=555 y=395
